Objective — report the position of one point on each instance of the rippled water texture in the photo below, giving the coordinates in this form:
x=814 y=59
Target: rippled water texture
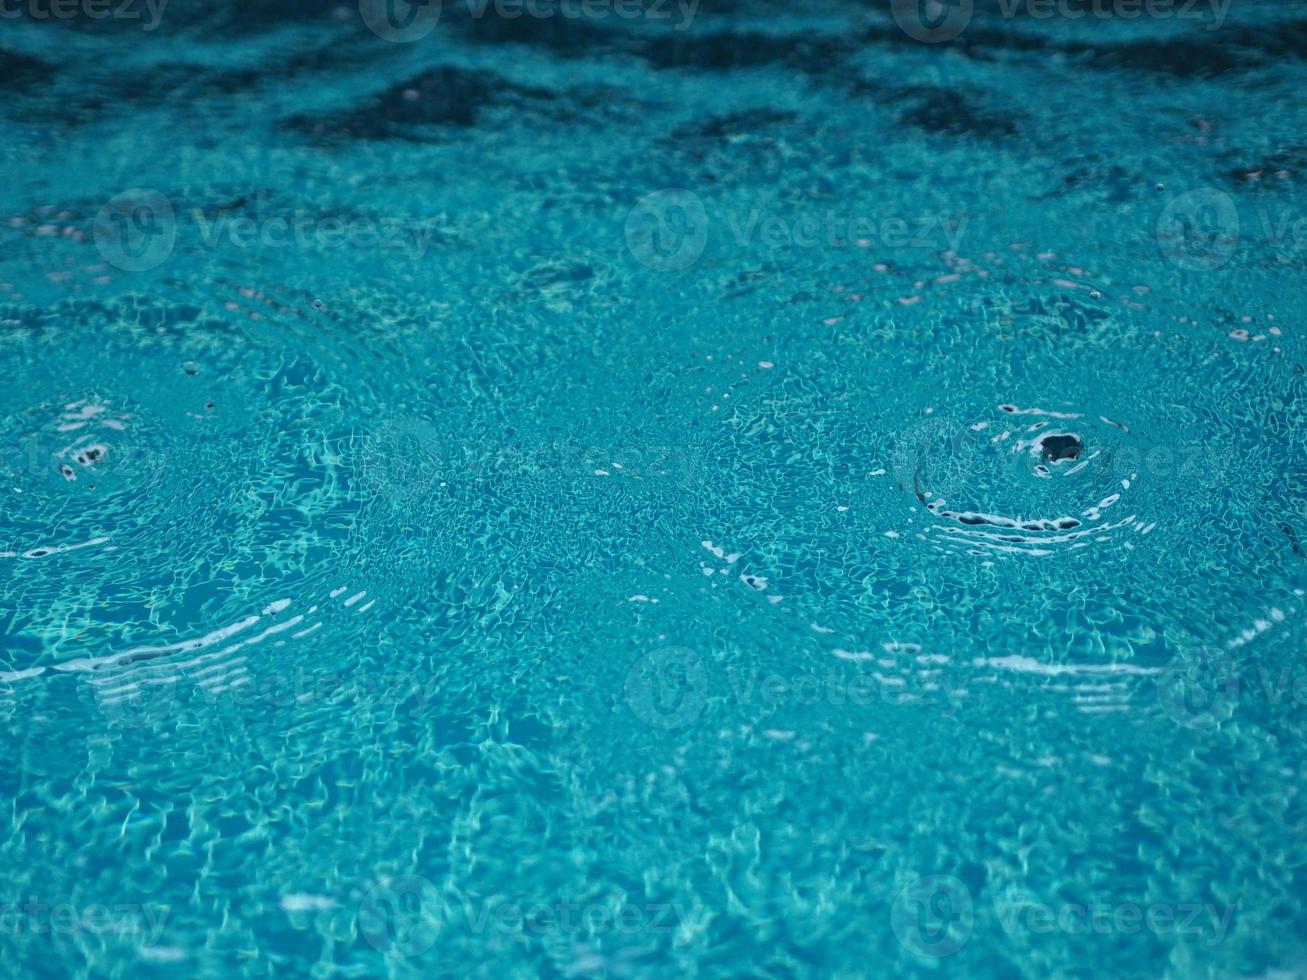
x=751 y=492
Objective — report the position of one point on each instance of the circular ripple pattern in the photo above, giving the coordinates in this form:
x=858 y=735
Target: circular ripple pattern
x=1029 y=480
x=91 y=447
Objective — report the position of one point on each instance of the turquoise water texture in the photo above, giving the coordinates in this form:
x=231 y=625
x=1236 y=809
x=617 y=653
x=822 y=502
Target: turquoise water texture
x=748 y=489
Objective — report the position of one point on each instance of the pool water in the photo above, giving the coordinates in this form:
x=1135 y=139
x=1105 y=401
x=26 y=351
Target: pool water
x=749 y=492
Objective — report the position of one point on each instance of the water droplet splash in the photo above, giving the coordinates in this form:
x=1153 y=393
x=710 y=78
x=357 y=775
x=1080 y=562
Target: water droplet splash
x=1029 y=481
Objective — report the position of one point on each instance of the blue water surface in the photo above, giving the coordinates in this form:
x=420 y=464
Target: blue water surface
x=771 y=489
